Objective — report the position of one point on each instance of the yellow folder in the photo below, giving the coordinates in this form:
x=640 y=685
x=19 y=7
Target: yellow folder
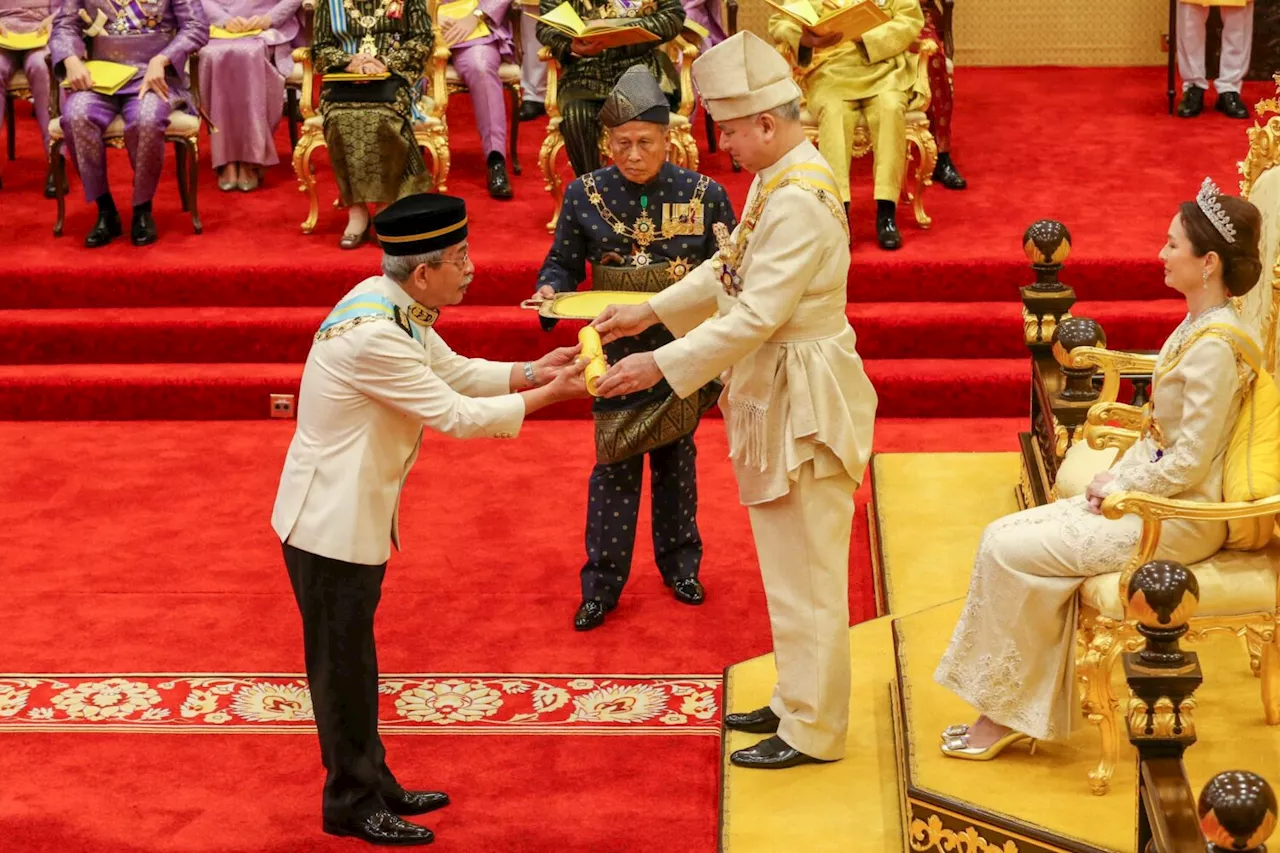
x=612 y=32
x=220 y=33
x=23 y=41
x=849 y=22
x=108 y=77
x=348 y=77
x=460 y=10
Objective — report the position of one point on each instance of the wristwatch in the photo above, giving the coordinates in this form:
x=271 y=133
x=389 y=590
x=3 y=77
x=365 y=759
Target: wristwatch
x=529 y=375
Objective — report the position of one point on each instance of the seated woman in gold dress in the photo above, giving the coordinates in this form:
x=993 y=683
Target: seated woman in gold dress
x=1012 y=655
x=368 y=125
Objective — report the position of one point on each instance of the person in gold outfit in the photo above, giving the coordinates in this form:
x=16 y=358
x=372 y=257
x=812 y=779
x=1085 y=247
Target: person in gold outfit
x=368 y=125
x=1012 y=655
x=875 y=76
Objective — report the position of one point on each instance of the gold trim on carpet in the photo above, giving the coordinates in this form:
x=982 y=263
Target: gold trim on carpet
x=411 y=704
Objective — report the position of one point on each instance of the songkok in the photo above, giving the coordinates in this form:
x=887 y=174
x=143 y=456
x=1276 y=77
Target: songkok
x=743 y=75
x=417 y=224
x=637 y=97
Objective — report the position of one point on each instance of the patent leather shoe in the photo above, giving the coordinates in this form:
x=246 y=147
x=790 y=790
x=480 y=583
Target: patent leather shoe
x=761 y=721
x=529 y=110
x=143 y=230
x=772 y=754
x=106 y=229
x=688 y=591
x=1192 y=103
x=499 y=183
x=887 y=232
x=382 y=828
x=415 y=802
x=590 y=615
x=1230 y=105
x=945 y=173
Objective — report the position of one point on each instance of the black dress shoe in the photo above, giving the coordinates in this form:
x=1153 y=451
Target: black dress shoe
x=106 y=229
x=499 y=183
x=772 y=754
x=1192 y=103
x=143 y=230
x=415 y=802
x=529 y=110
x=1230 y=105
x=887 y=226
x=761 y=721
x=382 y=827
x=688 y=591
x=590 y=615
x=50 y=186
x=945 y=173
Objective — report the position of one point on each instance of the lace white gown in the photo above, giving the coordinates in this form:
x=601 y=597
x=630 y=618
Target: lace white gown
x=1012 y=655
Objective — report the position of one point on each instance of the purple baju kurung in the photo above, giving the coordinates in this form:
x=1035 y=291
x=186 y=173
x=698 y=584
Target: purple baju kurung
x=477 y=62
x=707 y=13
x=25 y=16
x=242 y=80
x=133 y=31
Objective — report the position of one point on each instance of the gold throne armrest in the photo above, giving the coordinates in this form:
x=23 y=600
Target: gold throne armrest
x=1113 y=425
x=1114 y=364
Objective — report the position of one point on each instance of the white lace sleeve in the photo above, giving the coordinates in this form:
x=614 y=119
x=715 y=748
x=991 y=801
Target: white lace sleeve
x=1209 y=391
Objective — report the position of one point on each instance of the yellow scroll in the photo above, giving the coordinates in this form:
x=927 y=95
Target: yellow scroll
x=593 y=354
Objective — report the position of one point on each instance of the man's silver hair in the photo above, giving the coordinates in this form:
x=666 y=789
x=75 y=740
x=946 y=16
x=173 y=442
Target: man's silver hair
x=789 y=111
x=399 y=268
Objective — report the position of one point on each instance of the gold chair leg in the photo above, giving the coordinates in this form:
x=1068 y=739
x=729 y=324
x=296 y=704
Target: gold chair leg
x=922 y=175
x=1271 y=674
x=307 y=177
x=1098 y=639
x=552 y=145
x=443 y=161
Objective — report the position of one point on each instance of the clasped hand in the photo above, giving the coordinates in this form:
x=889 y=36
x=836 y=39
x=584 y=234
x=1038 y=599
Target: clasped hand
x=1094 y=495
x=242 y=25
x=363 y=63
x=456 y=30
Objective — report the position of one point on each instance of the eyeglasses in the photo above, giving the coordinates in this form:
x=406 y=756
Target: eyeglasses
x=459 y=262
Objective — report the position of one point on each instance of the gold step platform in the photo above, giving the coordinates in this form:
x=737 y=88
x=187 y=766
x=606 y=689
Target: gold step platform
x=895 y=791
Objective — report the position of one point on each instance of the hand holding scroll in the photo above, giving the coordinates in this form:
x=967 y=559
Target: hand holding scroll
x=637 y=372
x=623 y=321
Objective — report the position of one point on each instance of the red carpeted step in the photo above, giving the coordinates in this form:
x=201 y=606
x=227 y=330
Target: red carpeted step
x=912 y=388
x=173 y=335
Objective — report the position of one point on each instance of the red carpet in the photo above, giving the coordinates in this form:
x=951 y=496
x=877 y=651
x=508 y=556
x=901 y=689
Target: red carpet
x=207 y=326
x=144 y=548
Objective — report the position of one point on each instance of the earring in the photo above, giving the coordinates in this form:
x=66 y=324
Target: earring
x=1204 y=276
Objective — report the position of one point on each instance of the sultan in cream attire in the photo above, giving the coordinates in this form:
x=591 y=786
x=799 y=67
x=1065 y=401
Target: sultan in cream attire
x=768 y=311
x=1012 y=655
x=376 y=376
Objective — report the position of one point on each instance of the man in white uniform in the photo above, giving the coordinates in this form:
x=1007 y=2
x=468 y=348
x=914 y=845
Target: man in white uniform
x=1237 y=45
x=376 y=376
x=769 y=309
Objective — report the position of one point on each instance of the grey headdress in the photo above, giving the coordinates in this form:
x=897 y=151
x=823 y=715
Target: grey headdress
x=637 y=97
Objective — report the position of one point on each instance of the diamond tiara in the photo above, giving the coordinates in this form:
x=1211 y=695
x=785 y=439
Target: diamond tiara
x=1207 y=199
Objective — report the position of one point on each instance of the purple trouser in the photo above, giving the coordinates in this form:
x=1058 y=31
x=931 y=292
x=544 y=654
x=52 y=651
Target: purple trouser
x=477 y=65
x=85 y=116
x=32 y=63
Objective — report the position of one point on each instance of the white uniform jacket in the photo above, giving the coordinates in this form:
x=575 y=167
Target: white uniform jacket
x=372 y=382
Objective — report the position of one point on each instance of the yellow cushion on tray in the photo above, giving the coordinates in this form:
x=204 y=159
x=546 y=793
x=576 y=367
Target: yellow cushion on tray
x=589 y=304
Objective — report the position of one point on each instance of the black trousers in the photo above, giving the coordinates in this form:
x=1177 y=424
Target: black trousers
x=337 y=601
x=580 y=127
x=614 y=506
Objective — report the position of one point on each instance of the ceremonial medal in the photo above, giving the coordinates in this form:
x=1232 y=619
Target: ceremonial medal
x=679 y=269
x=725 y=263
x=368 y=45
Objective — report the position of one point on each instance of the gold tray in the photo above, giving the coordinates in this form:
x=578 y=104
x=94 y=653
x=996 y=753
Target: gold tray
x=584 y=305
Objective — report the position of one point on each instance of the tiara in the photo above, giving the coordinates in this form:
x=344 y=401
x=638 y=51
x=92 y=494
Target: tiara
x=1207 y=199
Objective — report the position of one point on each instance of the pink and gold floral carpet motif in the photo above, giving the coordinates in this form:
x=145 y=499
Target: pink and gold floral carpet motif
x=410 y=704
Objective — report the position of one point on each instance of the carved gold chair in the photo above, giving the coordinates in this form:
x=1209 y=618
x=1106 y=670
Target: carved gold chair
x=432 y=133
x=508 y=73
x=183 y=131
x=1238 y=589
x=682 y=150
x=922 y=150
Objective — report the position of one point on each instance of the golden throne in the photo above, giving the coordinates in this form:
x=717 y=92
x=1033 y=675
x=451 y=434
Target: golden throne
x=432 y=133
x=922 y=150
x=682 y=150
x=1239 y=591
